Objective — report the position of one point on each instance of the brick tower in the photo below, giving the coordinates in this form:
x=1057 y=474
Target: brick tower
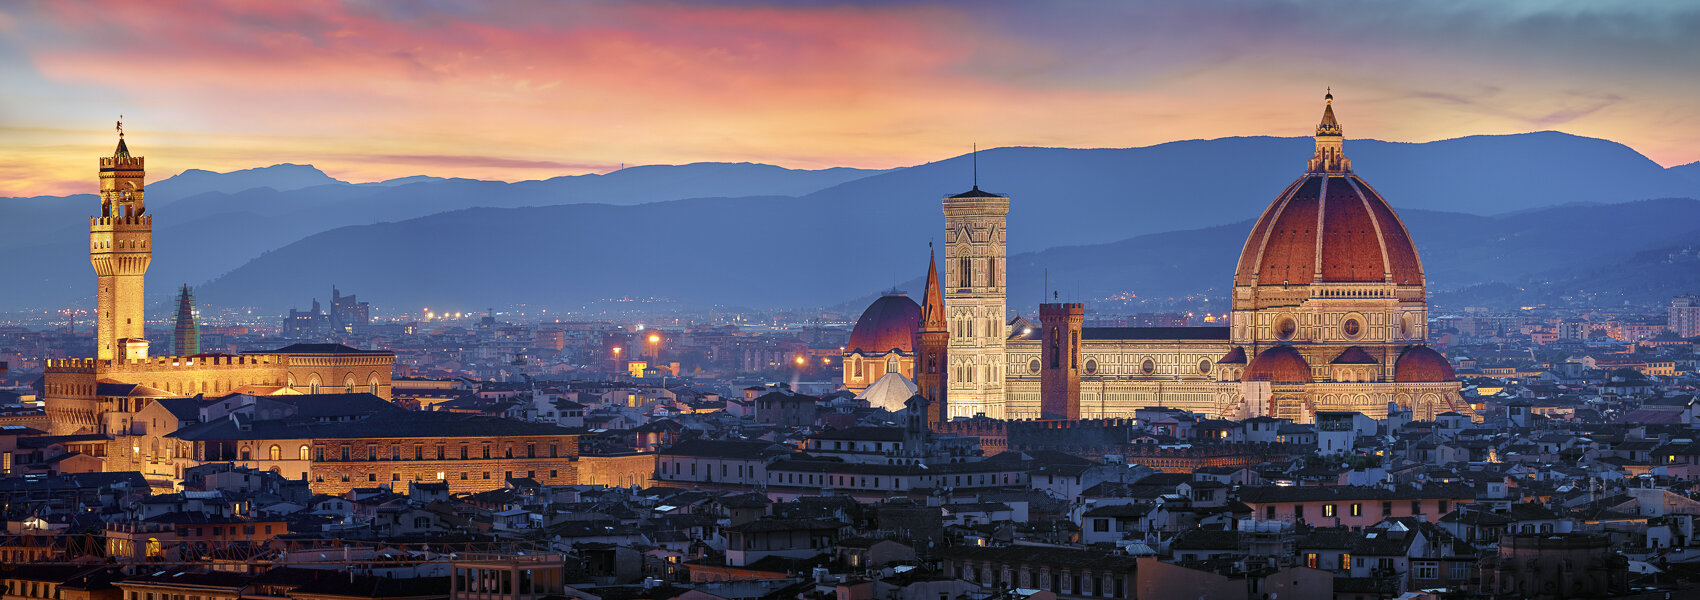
x=932 y=342
x=1059 y=378
x=120 y=248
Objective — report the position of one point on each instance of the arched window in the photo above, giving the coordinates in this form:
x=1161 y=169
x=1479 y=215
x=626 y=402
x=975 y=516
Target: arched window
x=275 y=453
x=303 y=452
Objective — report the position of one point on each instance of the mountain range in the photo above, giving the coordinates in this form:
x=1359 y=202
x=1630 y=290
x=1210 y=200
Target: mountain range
x=1159 y=221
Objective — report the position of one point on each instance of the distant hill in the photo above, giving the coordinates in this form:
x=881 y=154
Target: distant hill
x=1690 y=171
x=283 y=177
x=766 y=236
x=554 y=256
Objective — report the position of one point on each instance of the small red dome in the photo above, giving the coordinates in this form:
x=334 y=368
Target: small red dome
x=1355 y=356
x=1281 y=364
x=888 y=324
x=1233 y=357
x=1422 y=364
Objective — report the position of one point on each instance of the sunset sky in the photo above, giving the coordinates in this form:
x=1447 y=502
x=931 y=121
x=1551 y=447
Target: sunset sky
x=371 y=90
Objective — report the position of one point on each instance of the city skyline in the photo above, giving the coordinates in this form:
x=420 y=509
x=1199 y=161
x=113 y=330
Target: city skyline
x=521 y=91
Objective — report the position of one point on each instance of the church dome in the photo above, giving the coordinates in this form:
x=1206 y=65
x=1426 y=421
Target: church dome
x=1281 y=364
x=1329 y=226
x=1422 y=364
x=889 y=323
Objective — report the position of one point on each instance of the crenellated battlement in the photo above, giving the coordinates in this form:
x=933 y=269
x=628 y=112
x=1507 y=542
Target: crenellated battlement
x=197 y=362
x=71 y=365
x=121 y=222
x=120 y=162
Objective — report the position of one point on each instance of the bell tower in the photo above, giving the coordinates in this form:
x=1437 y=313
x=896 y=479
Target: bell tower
x=932 y=341
x=974 y=301
x=120 y=248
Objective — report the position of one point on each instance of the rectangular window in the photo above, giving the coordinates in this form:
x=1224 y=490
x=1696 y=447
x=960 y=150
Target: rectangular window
x=1345 y=562
x=1357 y=509
x=1310 y=560
x=1387 y=508
x=1299 y=512
x=1416 y=507
x=1100 y=524
x=1269 y=513
x=1442 y=509
x=1327 y=510
x=371 y=453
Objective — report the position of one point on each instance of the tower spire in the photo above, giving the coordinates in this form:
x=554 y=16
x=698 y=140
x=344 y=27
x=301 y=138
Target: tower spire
x=1330 y=155
x=932 y=297
x=123 y=151
x=932 y=343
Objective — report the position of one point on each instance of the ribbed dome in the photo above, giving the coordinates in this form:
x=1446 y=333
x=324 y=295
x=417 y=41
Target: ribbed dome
x=1422 y=364
x=889 y=323
x=1361 y=239
x=1328 y=227
x=1281 y=364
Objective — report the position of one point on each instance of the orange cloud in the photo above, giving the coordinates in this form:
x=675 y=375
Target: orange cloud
x=526 y=90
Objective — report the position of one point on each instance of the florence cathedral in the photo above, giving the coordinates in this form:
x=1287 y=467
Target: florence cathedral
x=1329 y=313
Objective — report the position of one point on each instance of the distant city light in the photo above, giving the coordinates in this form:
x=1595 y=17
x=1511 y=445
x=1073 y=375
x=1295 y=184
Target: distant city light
x=654 y=338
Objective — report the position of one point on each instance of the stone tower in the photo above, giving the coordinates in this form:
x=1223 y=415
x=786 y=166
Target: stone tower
x=974 y=223
x=1059 y=374
x=932 y=341
x=186 y=340
x=120 y=248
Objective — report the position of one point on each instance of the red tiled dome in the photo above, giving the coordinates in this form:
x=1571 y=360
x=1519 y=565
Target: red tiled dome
x=1362 y=240
x=1233 y=357
x=1281 y=364
x=1422 y=364
x=1328 y=227
x=889 y=323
